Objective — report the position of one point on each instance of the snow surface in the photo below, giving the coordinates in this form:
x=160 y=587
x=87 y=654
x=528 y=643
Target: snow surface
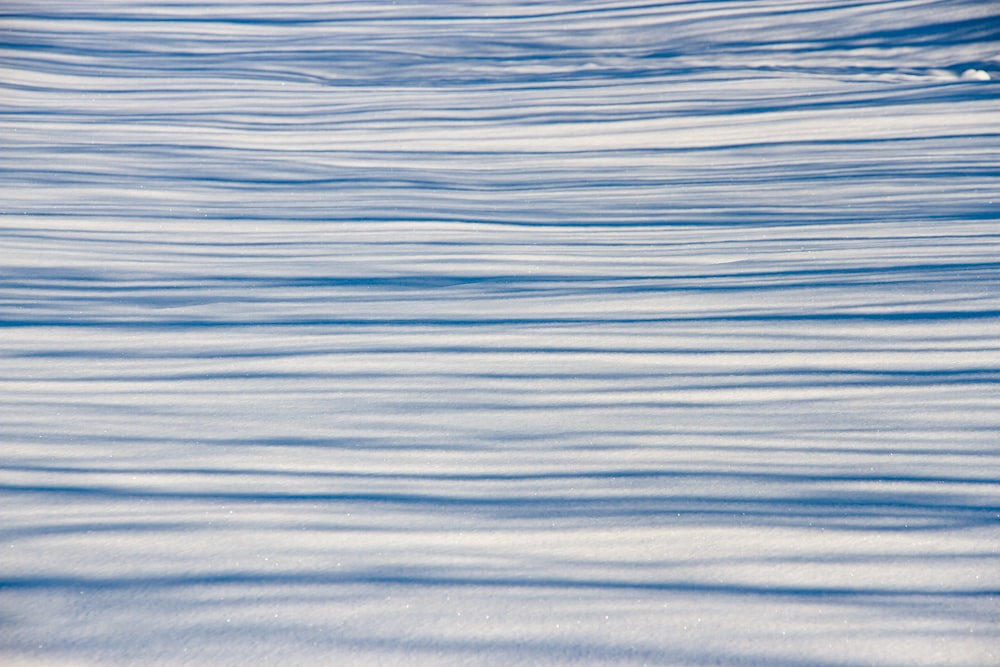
x=499 y=332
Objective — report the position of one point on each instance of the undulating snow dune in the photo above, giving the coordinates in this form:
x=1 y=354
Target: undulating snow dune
x=499 y=332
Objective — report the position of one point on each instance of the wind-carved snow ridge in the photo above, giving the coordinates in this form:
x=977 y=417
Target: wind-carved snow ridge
x=499 y=333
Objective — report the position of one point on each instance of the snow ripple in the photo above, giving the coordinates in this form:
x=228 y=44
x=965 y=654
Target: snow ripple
x=499 y=332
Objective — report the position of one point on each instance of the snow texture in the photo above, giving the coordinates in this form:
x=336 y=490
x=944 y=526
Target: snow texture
x=499 y=332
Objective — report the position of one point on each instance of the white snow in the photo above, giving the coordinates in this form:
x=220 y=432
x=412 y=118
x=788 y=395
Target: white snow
x=499 y=333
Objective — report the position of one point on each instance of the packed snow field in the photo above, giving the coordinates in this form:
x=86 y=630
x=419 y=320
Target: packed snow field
x=499 y=332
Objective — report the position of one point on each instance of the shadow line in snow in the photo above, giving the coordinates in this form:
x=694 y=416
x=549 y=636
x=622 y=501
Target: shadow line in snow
x=776 y=504
x=431 y=581
x=944 y=315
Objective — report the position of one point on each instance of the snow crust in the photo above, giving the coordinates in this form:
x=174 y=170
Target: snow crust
x=485 y=332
